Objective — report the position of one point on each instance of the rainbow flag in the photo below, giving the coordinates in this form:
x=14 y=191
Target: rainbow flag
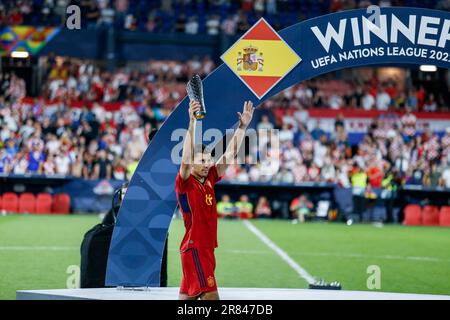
x=25 y=38
x=261 y=58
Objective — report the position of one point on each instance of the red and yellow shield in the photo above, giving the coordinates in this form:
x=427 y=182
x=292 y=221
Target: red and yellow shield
x=261 y=58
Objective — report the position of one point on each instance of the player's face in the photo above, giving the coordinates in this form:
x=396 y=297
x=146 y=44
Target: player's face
x=202 y=164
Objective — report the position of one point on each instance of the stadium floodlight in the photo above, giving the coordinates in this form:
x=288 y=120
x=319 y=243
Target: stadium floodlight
x=20 y=54
x=428 y=68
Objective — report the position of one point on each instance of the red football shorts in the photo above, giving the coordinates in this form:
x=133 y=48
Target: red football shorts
x=198 y=266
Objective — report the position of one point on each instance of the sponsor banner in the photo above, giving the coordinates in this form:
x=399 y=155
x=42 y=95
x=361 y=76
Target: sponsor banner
x=395 y=35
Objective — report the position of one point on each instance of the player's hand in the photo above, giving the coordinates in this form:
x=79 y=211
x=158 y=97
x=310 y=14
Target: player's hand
x=246 y=116
x=194 y=106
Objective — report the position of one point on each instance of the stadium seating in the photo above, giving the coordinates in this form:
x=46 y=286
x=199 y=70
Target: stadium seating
x=44 y=203
x=430 y=216
x=444 y=216
x=10 y=202
x=27 y=203
x=61 y=203
x=413 y=215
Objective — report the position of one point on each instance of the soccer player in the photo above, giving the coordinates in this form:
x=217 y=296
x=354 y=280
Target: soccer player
x=194 y=186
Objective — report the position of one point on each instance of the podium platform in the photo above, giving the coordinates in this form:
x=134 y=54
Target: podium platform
x=225 y=294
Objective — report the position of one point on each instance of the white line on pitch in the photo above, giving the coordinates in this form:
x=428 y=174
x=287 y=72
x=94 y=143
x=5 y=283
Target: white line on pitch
x=345 y=255
x=33 y=248
x=283 y=255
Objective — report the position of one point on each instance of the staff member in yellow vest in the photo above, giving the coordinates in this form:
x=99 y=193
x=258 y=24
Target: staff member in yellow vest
x=225 y=208
x=244 y=207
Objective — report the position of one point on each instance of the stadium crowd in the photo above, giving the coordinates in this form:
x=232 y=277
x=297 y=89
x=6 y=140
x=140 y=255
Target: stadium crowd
x=70 y=131
x=185 y=16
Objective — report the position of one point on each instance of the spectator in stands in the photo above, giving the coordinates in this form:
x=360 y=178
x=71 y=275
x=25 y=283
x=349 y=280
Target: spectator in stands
x=408 y=121
x=263 y=209
x=119 y=171
x=284 y=175
x=225 y=208
x=342 y=178
x=17 y=88
x=15 y=17
x=320 y=151
x=368 y=101
x=317 y=132
x=77 y=166
x=300 y=207
x=20 y=163
x=102 y=167
x=328 y=171
x=430 y=104
x=244 y=208
x=431 y=149
x=335 y=101
x=130 y=22
x=5 y=161
x=383 y=99
x=412 y=101
x=445 y=178
x=432 y=176
x=213 y=25
x=35 y=158
x=446 y=142
x=229 y=25
x=92 y=13
x=49 y=167
x=265 y=123
x=62 y=163
x=88 y=165
x=286 y=134
x=5 y=133
x=180 y=25
x=242 y=22
x=11 y=147
x=191 y=26
x=271 y=7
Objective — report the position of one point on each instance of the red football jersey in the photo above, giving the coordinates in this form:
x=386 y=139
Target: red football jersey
x=198 y=205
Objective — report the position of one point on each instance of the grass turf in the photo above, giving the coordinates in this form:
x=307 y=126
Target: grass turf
x=35 y=252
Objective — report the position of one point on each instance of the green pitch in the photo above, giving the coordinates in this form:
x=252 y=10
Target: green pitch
x=36 y=252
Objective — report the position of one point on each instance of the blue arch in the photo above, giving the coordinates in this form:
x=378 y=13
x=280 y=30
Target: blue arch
x=144 y=218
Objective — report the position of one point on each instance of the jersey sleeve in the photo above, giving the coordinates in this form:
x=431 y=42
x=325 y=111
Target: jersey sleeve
x=214 y=175
x=181 y=186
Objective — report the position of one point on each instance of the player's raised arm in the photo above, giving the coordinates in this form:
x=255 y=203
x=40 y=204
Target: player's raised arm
x=188 y=146
x=233 y=147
